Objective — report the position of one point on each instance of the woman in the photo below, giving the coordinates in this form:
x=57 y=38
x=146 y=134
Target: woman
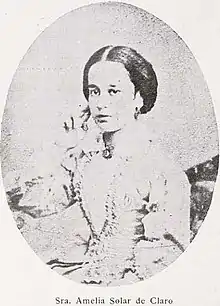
x=134 y=201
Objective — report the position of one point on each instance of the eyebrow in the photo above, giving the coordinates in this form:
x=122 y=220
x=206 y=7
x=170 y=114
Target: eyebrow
x=92 y=86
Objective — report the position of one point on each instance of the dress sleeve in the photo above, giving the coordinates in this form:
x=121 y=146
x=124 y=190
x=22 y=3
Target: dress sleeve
x=166 y=193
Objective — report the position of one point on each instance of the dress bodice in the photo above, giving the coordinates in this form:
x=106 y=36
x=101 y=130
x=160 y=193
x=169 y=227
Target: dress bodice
x=134 y=202
x=115 y=220
x=97 y=178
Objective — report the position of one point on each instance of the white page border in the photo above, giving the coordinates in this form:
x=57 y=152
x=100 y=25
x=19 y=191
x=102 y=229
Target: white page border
x=194 y=278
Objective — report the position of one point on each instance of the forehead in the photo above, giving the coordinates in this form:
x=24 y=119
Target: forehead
x=106 y=73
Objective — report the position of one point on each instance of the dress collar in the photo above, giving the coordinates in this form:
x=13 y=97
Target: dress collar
x=131 y=140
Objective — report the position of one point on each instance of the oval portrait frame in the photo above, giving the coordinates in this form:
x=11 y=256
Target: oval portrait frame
x=61 y=69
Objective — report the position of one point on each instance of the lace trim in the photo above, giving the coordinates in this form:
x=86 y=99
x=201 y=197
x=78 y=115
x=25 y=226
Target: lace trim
x=105 y=263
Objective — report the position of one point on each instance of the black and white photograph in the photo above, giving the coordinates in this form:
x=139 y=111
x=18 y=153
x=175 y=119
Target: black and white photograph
x=109 y=148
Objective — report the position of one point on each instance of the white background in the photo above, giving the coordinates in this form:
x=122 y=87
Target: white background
x=194 y=278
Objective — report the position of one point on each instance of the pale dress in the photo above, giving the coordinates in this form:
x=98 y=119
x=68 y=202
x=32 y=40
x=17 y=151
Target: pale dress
x=117 y=221
x=135 y=207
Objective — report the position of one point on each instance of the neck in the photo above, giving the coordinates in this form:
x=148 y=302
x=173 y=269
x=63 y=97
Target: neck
x=109 y=138
x=120 y=136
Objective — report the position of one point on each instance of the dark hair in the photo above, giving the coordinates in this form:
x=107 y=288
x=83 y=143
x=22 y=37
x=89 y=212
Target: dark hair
x=141 y=72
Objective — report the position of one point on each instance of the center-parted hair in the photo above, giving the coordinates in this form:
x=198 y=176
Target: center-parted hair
x=140 y=71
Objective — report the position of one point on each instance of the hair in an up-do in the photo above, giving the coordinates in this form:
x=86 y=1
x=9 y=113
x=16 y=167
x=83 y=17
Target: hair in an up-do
x=141 y=72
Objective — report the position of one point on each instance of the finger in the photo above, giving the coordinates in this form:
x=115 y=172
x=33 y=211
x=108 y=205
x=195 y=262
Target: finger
x=66 y=127
x=72 y=121
x=85 y=113
x=66 y=191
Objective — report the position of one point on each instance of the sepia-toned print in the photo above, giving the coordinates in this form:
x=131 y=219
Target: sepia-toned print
x=109 y=145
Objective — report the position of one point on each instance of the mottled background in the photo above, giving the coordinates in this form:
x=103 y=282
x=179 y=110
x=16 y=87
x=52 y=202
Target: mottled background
x=47 y=86
x=47 y=89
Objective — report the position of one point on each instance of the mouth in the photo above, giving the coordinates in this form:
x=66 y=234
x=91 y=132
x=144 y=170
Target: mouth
x=101 y=116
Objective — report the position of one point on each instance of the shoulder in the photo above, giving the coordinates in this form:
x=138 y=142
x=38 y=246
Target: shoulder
x=152 y=163
x=165 y=168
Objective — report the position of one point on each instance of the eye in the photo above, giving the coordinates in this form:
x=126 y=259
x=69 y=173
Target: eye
x=113 y=92
x=93 y=92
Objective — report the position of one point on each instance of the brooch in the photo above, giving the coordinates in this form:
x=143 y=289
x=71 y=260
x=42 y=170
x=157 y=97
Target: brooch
x=108 y=151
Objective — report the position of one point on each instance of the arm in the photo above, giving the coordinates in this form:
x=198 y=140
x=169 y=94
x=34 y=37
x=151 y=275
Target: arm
x=168 y=203
x=42 y=188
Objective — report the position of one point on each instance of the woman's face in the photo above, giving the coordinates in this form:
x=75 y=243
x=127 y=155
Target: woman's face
x=111 y=96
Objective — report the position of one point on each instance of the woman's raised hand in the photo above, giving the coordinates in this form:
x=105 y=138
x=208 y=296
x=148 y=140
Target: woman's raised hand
x=70 y=134
x=69 y=125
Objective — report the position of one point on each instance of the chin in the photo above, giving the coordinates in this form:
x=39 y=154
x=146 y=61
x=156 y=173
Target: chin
x=104 y=127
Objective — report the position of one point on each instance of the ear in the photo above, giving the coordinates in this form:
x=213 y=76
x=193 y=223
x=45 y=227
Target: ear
x=138 y=100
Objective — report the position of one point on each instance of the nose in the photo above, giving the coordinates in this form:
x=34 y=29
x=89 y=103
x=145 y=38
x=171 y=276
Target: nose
x=101 y=103
x=99 y=108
